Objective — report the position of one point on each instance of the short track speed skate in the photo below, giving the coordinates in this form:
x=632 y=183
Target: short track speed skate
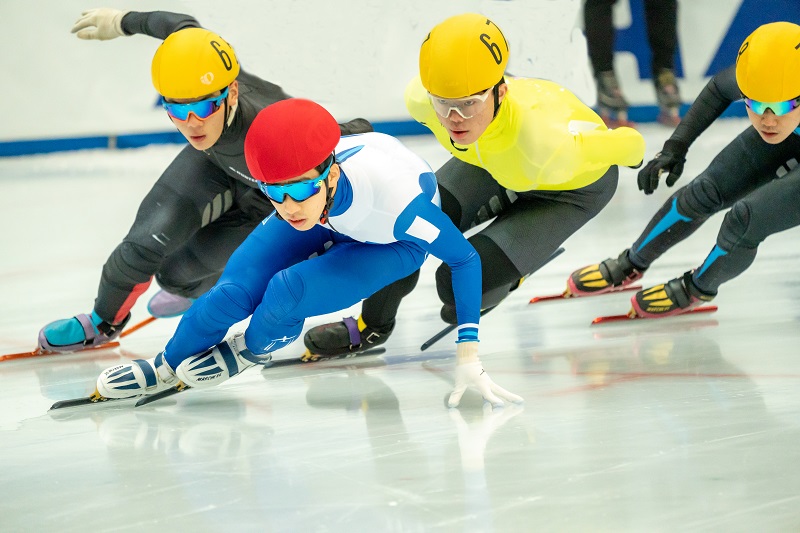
x=631 y=315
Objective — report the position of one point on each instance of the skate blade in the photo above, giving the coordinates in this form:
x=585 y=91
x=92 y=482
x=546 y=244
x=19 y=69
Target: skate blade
x=567 y=294
x=40 y=352
x=309 y=357
x=633 y=316
x=175 y=389
x=95 y=397
x=137 y=326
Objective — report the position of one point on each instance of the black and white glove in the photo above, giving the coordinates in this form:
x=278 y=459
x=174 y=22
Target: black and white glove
x=470 y=373
x=102 y=24
x=669 y=160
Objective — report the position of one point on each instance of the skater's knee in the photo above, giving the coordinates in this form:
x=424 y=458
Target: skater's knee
x=231 y=300
x=284 y=295
x=699 y=199
x=185 y=275
x=737 y=230
x=137 y=255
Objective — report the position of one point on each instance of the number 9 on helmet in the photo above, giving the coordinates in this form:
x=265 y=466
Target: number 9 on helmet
x=192 y=63
x=463 y=55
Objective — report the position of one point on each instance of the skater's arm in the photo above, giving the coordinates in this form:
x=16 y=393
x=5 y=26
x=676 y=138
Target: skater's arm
x=158 y=24
x=620 y=146
x=712 y=101
x=105 y=23
x=715 y=98
x=423 y=223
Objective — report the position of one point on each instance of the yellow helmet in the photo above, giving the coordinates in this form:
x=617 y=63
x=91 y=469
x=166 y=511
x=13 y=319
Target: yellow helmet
x=193 y=62
x=768 y=64
x=463 y=55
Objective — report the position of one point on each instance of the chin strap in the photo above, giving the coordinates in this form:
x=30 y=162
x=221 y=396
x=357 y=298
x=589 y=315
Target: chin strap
x=323 y=218
x=496 y=95
x=230 y=114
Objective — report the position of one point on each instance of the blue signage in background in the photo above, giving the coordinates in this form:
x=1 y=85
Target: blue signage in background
x=751 y=14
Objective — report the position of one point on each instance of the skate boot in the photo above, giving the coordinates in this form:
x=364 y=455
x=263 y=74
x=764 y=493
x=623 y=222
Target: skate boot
x=167 y=305
x=608 y=276
x=348 y=336
x=612 y=104
x=78 y=333
x=136 y=378
x=672 y=298
x=217 y=364
x=669 y=99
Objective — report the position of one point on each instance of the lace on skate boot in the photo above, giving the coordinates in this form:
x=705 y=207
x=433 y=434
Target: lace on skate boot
x=668 y=96
x=340 y=338
x=675 y=297
x=66 y=336
x=608 y=276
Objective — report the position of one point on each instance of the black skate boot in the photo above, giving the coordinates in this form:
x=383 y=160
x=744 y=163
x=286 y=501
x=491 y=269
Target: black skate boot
x=612 y=104
x=608 y=276
x=669 y=99
x=348 y=336
x=675 y=297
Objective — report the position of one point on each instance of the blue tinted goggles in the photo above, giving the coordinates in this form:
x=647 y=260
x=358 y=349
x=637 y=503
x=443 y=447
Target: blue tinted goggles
x=779 y=108
x=299 y=191
x=202 y=109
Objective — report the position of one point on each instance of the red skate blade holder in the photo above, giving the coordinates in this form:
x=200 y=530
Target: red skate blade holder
x=630 y=316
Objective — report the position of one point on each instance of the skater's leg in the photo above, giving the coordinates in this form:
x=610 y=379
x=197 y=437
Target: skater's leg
x=194 y=268
x=326 y=284
x=770 y=209
x=740 y=168
x=271 y=248
x=526 y=234
x=168 y=216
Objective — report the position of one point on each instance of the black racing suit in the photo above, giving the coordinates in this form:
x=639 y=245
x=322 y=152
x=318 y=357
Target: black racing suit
x=200 y=209
x=758 y=181
x=526 y=229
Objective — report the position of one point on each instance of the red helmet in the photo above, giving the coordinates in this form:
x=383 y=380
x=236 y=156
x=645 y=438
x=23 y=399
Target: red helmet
x=289 y=138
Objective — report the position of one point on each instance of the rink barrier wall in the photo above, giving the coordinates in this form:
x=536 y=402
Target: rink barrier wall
x=400 y=128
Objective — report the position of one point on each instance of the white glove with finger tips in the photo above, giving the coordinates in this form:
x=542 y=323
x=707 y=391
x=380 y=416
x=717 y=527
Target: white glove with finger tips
x=469 y=372
x=102 y=24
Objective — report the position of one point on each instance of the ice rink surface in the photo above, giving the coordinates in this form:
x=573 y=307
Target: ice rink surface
x=687 y=424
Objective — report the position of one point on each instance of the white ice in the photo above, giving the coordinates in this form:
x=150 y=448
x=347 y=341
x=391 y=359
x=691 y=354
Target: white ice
x=684 y=424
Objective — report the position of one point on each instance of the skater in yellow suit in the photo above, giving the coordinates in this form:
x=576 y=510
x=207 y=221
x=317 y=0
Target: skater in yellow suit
x=527 y=155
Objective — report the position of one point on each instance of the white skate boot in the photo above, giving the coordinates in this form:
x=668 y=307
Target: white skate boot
x=137 y=378
x=215 y=365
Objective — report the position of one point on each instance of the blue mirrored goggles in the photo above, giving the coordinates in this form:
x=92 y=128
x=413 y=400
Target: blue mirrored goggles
x=779 y=108
x=202 y=109
x=299 y=191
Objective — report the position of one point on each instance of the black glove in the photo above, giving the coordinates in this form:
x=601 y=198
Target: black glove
x=670 y=159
